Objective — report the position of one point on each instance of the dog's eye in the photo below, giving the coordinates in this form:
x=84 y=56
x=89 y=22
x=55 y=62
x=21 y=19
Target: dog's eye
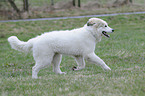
x=105 y=25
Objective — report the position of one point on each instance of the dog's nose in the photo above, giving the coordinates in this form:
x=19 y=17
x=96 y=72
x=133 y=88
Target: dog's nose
x=112 y=30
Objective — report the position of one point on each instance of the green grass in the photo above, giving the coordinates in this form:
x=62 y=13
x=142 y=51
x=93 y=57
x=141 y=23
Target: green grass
x=123 y=52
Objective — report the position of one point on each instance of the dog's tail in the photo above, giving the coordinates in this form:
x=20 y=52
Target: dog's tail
x=20 y=45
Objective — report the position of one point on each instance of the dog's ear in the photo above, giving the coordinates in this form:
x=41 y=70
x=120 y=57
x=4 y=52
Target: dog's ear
x=90 y=23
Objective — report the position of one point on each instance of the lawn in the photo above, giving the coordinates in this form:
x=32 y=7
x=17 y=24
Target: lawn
x=123 y=52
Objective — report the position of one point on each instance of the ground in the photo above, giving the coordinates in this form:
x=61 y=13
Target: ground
x=123 y=52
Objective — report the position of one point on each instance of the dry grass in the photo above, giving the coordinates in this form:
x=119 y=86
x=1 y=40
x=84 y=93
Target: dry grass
x=42 y=9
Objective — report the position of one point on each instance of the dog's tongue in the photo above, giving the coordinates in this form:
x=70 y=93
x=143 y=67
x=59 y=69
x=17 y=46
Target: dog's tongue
x=106 y=35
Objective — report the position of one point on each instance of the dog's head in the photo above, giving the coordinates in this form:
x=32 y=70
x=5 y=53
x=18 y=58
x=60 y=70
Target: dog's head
x=100 y=26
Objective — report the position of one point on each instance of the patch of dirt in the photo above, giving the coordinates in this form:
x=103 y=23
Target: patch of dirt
x=63 y=5
x=91 y=5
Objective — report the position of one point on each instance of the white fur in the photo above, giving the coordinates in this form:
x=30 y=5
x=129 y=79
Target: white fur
x=79 y=43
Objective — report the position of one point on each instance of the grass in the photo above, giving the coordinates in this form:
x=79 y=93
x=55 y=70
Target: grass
x=123 y=52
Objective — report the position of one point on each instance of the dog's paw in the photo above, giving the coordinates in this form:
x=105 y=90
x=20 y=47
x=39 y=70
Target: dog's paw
x=107 y=68
x=62 y=73
x=77 y=68
x=74 y=68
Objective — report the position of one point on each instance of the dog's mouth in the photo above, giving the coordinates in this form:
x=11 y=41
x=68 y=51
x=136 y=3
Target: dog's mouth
x=105 y=34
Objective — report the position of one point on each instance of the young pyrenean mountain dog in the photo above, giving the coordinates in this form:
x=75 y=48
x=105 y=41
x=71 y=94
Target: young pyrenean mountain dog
x=79 y=43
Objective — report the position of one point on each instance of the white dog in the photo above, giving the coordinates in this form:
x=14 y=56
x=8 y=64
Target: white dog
x=79 y=43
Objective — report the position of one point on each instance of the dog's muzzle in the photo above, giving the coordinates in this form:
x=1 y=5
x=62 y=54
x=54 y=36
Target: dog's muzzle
x=105 y=33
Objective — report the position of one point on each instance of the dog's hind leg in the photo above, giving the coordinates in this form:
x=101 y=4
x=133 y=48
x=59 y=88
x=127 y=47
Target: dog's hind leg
x=56 y=64
x=80 y=62
x=95 y=59
x=41 y=62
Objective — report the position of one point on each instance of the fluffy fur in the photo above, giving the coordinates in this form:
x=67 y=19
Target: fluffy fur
x=79 y=43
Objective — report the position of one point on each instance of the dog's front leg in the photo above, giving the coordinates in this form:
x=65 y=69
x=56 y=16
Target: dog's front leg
x=95 y=59
x=80 y=62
